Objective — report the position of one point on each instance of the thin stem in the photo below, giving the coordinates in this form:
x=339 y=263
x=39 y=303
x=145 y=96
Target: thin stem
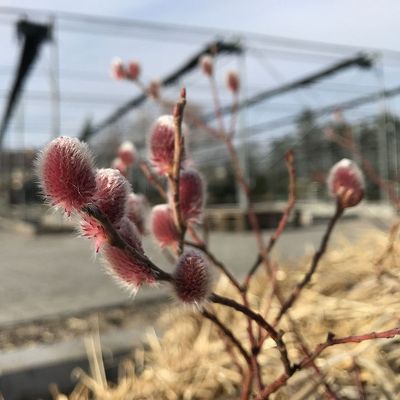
x=314 y=264
x=247 y=384
x=152 y=179
x=234 y=112
x=254 y=345
x=219 y=264
x=114 y=239
x=250 y=207
x=330 y=341
x=195 y=236
x=228 y=333
x=330 y=394
x=275 y=335
x=174 y=177
x=217 y=105
x=289 y=158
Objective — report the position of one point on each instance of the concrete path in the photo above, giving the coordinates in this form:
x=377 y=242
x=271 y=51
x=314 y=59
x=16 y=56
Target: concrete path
x=50 y=275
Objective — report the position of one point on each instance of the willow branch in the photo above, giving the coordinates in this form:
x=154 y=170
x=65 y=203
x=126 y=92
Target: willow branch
x=219 y=264
x=114 y=239
x=217 y=106
x=330 y=341
x=289 y=158
x=228 y=333
x=174 y=177
x=275 y=335
x=152 y=179
x=234 y=113
x=314 y=264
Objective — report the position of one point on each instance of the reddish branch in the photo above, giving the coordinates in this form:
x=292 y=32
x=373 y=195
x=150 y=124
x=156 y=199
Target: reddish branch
x=314 y=264
x=114 y=239
x=284 y=218
x=234 y=111
x=251 y=359
x=228 y=333
x=330 y=341
x=330 y=394
x=219 y=264
x=152 y=178
x=217 y=106
x=275 y=335
x=174 y=177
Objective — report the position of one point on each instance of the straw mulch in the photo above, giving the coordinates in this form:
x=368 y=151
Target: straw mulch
x=191 y=360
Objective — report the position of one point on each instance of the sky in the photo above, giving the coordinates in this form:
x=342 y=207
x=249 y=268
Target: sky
x=356 y=22
x=359 y=23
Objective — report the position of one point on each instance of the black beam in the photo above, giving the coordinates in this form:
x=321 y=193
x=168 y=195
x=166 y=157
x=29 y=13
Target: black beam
x=214 y=49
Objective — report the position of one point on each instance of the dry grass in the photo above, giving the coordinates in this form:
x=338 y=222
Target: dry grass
x=191 y=361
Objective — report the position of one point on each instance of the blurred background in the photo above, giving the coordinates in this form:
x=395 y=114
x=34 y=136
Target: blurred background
x=310 y=72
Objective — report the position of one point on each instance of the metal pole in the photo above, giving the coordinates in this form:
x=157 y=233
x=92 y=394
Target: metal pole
x=20 y=149
x=382 y=131
x=241 y=137
x=54 y=82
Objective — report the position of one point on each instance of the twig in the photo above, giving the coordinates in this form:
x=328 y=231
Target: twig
x=219 y=264
x=330 y=394
x=189 y=115
x=152 y=179
x=234 y=112
x=330 y=341
x=272 y=293
x=289 y=157
x=174 y=177
x=255 y=369
x=194 y=235
x=228 y=333
x=114 y=239
x=314 y=264
x=275 y=335
x=217 y=106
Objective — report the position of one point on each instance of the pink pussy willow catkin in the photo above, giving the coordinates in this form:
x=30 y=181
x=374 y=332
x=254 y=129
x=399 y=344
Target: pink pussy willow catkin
x=66 y=173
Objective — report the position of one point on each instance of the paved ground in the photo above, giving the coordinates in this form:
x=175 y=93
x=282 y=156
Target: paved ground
x=55 y=274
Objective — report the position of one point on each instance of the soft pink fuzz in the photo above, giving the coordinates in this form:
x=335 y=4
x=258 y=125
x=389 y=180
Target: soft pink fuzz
x=127 y=153
x=117 y=69
x=92 y=229
x=191 y=195
x=207 y=65
x=123 y=266
x=163 y=225
x=112 y=191
x=192 y=278
x=133 y=71
x=232 y=81
x=66 y=172
x=162 y=144
x=346 y=183
x=154 y=89
x=136 y=210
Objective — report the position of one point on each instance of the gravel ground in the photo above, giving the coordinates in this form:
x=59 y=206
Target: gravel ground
x=58 y=329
